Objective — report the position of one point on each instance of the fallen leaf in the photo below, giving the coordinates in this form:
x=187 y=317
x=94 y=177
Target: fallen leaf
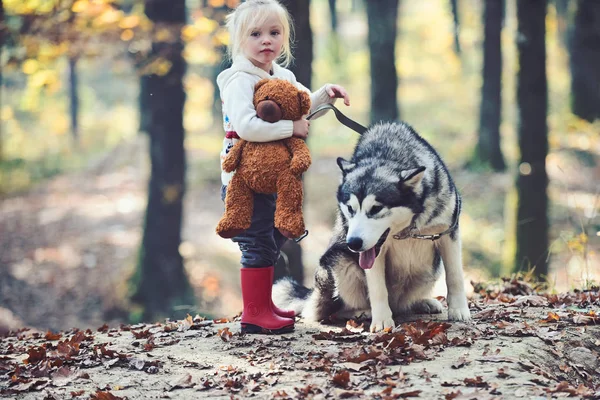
x=181 y=382
x=476 y=382
x=353 y=326
x=342 y=379
x=461 y=362
x=104 y=396
x=533 y=300
x=53 y=336
x=552 y=317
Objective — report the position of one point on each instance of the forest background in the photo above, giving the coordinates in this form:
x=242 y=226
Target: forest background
x=82 y=102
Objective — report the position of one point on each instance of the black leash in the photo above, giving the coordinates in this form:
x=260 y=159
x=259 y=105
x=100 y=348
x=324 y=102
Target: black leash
x=355 y=126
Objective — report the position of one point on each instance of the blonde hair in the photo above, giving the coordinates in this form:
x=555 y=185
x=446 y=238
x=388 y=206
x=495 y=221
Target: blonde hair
x=251 y=14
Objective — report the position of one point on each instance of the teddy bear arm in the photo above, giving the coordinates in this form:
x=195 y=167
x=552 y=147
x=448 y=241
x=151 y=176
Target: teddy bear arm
x=300 y=155
x=234 y=156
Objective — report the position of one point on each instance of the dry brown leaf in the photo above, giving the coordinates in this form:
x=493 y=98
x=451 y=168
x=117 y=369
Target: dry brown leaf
x=342 y=379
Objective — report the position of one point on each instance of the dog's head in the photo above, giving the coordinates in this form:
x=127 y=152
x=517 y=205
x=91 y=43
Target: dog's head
x=375 y=200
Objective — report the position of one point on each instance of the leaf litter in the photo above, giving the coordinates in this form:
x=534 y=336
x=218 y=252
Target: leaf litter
x=557 y=332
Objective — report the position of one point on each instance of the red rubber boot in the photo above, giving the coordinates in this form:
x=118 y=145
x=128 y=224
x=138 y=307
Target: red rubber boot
x=279 y=311
x=258 y=315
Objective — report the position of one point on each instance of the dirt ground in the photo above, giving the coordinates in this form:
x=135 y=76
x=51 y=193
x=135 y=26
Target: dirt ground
x=518 y=346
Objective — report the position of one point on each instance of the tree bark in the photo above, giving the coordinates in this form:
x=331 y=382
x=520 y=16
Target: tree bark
x=532 y=99
x=333 y=15
x=456 y=21
x=74 y=98
x=303 y=49
x=382 y=18
x=160 y=282
x=488 y=152
x=290 y=263
x=585 y=60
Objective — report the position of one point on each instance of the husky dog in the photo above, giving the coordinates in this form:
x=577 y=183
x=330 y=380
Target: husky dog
x=395 y=194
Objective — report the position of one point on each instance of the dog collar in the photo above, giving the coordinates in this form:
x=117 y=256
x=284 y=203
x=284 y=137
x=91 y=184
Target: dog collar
x=411 y=230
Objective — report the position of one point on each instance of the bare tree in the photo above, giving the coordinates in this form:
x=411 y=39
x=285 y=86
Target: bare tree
x=584 y=46
x=160 y=282
x=74 y=98
x=333 y=15
x=488 y=152
x=456 y=22
x=532 y=99
x=290 y=263
x=382 y=17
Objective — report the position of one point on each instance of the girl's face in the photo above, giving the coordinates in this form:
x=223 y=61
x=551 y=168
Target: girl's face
x=264 y=44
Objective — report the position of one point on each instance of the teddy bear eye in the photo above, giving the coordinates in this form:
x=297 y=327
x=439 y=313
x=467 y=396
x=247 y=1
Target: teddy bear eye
x=267 y=98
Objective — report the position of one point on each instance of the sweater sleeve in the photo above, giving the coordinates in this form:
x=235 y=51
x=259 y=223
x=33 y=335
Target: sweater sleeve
x=237 y=97
x=317 y=98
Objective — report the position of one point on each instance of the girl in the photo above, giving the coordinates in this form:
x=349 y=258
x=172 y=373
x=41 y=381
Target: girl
x=260 y=35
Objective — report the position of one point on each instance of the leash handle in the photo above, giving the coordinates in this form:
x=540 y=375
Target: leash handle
x=355 y=126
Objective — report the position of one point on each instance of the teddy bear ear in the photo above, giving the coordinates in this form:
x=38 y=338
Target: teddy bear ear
x=260 y=83
x=304 y=102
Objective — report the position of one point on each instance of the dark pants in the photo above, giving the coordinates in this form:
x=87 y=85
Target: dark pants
x=260 y=244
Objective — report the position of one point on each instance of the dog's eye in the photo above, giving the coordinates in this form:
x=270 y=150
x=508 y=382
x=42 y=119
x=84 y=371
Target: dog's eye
x=350 y=210
x=375 y=209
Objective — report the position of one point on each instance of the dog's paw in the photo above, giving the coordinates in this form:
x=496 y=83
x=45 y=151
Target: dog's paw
x=427 y=306
x=379 y=324
x=459 y=314
x=458 y=308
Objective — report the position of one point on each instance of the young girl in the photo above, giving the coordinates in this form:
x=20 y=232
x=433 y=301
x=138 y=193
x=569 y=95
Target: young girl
x=259 y=36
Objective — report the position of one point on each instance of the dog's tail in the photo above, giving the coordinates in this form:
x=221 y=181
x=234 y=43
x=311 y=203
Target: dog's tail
x=290 y=295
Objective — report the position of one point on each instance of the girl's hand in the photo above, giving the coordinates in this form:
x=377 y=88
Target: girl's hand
x=301 y=128
x=338 y=92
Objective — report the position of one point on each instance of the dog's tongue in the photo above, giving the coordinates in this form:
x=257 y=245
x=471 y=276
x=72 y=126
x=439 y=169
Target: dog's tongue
x=366 y=259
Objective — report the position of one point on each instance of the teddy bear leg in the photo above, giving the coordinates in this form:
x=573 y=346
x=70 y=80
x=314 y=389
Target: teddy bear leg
x=288 y=208
x=239 y=206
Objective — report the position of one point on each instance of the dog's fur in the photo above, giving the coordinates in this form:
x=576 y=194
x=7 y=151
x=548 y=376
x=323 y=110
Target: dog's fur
x=393 y=176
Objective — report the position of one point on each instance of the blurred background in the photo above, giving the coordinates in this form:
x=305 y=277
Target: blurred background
x=111 y=130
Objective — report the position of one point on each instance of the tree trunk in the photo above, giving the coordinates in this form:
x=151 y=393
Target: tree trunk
x=532 y=99
x=160 y=281
x=333 y=15
x=302 y=68
x=456 y=20
x=382 y=17
x=74 y=99
x=144 y=109
x=585 y=60
x=303 y=50
x=217 y=14
x=488 y=152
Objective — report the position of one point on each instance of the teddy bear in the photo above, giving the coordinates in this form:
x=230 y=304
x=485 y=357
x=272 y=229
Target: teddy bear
x=268 y=167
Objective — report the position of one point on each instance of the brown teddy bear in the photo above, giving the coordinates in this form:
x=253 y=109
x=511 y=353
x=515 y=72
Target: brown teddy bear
x=269 y=167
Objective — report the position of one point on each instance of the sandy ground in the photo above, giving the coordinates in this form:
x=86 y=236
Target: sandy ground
x=490 y=358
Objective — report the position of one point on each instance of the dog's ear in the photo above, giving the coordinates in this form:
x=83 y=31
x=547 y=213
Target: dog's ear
x=345 y=166
x=412 y=177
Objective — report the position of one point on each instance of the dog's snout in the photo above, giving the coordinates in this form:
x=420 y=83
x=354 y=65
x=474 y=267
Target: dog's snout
x=354 y=243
